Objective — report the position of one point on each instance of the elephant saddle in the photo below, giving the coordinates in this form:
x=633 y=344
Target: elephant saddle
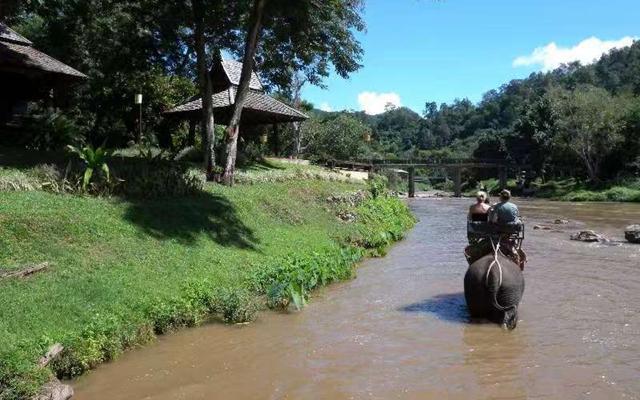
x=481 y=248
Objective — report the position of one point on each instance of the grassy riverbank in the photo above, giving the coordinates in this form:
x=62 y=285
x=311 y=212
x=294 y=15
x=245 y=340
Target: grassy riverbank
x=123 y=271
x=573 y=190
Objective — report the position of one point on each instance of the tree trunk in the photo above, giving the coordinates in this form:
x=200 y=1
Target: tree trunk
x=204 y=83
x=298 y=83
x=297 y=139
x=233 y=128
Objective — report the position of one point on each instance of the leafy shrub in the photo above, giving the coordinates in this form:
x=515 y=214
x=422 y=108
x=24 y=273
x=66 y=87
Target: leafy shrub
x=236 y=305
x=251 y=152
x=377 y=185
x=50 y=130
x=95 y=164
x=289 y=280
x=381 y=221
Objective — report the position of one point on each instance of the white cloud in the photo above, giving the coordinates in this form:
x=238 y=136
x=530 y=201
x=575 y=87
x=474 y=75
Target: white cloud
x=325 y=107
x=376 y=103
x=589 y=50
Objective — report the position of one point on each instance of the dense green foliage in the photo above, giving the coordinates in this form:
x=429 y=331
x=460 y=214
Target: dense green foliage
x=149 y=47
x=125 y=270
x=580 y=121
x=340 y=138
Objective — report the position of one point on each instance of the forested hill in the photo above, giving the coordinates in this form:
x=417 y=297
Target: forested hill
x=583 y=118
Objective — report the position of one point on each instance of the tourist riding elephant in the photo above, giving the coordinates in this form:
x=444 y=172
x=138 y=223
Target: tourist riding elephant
x=494 y=295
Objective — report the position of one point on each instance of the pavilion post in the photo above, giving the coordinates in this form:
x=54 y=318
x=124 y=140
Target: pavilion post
x=191 y=139
x=502 y=177
x=412 y=182
x=276 y=140
x=457 y=182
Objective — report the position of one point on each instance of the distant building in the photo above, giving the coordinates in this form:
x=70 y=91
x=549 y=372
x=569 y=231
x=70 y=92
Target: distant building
x=27 y=75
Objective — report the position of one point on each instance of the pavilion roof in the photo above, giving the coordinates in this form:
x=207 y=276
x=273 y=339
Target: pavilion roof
x=260 y=108
x=233 y=70
x=9 y=35
x=18 y=55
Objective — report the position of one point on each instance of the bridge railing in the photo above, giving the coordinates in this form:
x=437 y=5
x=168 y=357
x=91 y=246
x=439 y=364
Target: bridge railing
x=426 y=162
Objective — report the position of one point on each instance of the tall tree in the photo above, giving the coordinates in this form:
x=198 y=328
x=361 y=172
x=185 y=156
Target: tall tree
x=306 y=35
x=204 y=85
x=296 y=90
x=591 y=122
x=233 y=129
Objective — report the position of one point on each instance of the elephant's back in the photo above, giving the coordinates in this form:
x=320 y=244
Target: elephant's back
x=475 y=283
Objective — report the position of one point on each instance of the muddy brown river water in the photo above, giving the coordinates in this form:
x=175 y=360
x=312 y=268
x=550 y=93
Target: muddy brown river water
x=400 y=330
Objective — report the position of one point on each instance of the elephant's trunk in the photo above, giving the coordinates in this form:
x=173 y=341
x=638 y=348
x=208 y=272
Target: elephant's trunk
x=510 y=319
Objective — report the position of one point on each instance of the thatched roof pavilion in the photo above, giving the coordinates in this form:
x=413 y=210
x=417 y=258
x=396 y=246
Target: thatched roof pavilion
x=18 y=56
x=27 y=74
x=259 y=109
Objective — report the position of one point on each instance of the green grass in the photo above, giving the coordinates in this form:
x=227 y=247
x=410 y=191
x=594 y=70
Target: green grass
x=573 y=190
x=123 y=271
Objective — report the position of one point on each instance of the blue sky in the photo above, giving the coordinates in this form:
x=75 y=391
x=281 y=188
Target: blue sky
x=439 y=50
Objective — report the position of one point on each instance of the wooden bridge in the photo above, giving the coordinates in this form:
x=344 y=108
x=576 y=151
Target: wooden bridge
x=454 y=165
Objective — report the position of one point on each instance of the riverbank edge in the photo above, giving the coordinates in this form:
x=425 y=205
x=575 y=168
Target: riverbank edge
x=381 y=222
x=570 y=190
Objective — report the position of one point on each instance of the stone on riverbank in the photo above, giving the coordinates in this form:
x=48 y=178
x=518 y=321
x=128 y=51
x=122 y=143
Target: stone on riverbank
x=632 y=233
x=55 y=390
x=588 y=236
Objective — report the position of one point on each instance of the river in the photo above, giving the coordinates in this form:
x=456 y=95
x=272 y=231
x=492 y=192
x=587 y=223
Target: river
x=400 y=330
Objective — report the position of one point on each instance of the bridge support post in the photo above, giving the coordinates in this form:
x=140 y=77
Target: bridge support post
x=502 y=177
x=412 y=182
x=457 y=182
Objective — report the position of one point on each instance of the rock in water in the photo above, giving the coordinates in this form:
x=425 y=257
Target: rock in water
x=587 y=236
x=632 y=233
x=542 y=227
x=561 y=222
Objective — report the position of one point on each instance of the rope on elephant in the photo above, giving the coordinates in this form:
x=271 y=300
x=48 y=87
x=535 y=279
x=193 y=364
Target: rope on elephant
x=496 y=249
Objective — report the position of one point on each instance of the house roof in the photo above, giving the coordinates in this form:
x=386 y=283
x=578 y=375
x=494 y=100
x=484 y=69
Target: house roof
x=259 y=108
x=17 y=54
x=233 y=70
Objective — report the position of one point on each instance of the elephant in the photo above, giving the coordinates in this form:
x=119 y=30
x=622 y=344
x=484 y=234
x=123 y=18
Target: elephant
x=494 y=290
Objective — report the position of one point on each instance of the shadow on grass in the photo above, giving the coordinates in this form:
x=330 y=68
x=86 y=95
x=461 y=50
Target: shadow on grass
x=448 y=307
x=187 y=218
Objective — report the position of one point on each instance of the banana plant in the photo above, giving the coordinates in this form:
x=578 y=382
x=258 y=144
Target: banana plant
x=94 y=160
